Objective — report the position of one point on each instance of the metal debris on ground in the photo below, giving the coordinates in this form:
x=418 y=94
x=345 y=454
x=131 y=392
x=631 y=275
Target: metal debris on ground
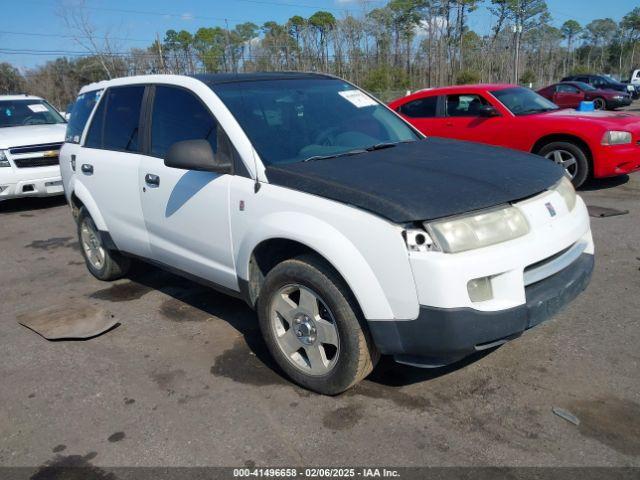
x=568 y=416
x=601 y=212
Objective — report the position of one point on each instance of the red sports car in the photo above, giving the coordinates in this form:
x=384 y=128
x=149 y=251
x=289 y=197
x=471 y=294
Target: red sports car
x=570 y=94
x=600 y=144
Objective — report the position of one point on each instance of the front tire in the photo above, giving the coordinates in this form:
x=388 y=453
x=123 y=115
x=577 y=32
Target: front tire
x=569 y=156
x=104 y=264
x=313 y=326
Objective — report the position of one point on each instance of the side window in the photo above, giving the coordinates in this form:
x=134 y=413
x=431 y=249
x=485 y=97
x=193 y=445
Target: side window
x=465 y=105
x=567 y=89
x=179 y=115
x=115 y=123
x=421 y=108
x=79 y=114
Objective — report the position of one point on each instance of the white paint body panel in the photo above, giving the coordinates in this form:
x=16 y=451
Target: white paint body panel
x=201 y=247
x=211 y=236
x=442 y=278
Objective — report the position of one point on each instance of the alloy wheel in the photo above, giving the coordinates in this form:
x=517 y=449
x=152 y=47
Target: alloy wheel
x=565 y=159
x=305 y=329
x=91 y=245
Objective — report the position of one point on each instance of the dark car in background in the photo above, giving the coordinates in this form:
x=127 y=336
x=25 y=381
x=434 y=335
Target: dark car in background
x=570 y=94
x=602 y=82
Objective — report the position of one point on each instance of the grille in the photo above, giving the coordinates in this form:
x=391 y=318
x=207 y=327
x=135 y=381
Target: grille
x=36 y=162
x=36 y=148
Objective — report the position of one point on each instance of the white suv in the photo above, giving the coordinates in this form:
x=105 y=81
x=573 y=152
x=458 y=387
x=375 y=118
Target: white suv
x=349 y=232
x=31 y=134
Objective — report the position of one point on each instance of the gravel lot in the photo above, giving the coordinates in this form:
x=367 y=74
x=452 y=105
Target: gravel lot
x=185 y=379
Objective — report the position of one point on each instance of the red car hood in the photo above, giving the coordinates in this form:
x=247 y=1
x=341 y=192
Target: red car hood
x=610 y=120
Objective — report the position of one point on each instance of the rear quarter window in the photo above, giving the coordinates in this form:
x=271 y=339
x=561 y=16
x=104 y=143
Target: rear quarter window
x=79 y=114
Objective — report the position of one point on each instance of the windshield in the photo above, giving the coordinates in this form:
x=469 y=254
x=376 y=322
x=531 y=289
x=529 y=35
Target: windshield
x=18 y=113
x=522 y=101
x=307 y=119
x=584 y=86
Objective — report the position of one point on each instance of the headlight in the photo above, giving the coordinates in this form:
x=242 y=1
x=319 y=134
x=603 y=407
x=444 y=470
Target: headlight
x=4 y=161
x=565 y=188
x=618 y=97
x=615 y=137
x=479 y=230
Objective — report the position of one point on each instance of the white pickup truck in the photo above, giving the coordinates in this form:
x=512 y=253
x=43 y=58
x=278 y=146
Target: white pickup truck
x=31 y=134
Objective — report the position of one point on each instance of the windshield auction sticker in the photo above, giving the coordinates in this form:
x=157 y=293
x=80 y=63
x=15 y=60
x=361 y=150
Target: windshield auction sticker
x=37 y=107
x=357 y=98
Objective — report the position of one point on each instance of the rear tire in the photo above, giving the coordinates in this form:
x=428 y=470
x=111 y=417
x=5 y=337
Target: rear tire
x=104 y=264
x=569 y=156
x=289 y=326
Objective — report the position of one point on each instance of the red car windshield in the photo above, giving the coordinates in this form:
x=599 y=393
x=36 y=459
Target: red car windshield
x=522 y=101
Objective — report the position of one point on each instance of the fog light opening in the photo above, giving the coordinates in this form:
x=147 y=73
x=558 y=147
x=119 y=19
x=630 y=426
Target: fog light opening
x=479 y=289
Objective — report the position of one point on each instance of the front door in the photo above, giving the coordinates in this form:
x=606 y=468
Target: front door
x=186 y=212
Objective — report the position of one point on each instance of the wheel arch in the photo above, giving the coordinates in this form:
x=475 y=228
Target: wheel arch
x=80 y=197
x=565 y=137
x=269 y=245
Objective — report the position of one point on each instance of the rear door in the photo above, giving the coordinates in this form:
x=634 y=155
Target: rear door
x=186 y=212
x=425 y=114
x=78 y=116
x=108 y=163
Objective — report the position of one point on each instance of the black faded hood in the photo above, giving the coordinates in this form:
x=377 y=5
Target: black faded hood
x=422 y=180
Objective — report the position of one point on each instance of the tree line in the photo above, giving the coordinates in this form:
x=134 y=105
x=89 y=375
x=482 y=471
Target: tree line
x=406 y=44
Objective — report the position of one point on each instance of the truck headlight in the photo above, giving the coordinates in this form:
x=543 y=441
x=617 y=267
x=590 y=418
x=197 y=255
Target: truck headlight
x=4 y=161
x=565 y=188
x=478 y=230
x=616 y=137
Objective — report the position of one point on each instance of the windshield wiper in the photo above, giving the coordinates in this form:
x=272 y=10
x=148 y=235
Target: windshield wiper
x=335 y=155
x=382 y=145
x=377 y=146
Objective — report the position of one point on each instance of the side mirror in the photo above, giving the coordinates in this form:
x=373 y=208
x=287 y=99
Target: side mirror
x=488 y=111
x=195 y=155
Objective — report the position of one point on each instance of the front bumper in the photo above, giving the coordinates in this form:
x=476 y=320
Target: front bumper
x=615 y=160
x=624 y=102
x=37 y=186
x=440 y=336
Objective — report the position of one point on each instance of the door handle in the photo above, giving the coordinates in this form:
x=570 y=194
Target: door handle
x=152 y=180
x=87 y=168
x=73 y=162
